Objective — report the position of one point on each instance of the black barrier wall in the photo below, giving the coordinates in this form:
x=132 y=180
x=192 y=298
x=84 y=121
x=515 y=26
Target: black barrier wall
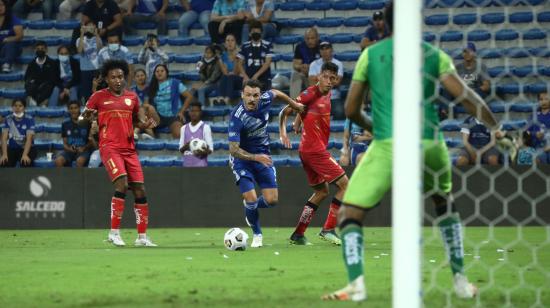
x=208 y=197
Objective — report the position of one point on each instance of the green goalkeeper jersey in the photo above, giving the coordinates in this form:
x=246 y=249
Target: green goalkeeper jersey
x=375 y=67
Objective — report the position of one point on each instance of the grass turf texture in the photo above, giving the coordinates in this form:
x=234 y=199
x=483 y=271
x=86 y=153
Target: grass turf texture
x=191 y=268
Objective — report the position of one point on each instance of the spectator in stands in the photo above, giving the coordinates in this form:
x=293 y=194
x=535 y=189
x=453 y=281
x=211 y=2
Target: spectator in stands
x=76 y=142
x=40 y=76
x=231 y=80
x=526 y=152
x=147 y=11
x=144 y=134
x=165 y=95
x=195 y=129
x=88 y=45
x=337 y=107
x=479 y=144
x=66 y=88
x=262 y=11
x=356 y=141
x=227 y=17
x=255 y=57
x=104 y=14
x=152 y=55
x=17 y=137
x=209 y=73
x=116 y=51
x=95 y=158
x=378 y=31
x=304 y=53
x=473 y=71
x=67 y=8
x=140 y=85
x=11 y=33
x=22 y=8
x=197 y=10
x=540 y=129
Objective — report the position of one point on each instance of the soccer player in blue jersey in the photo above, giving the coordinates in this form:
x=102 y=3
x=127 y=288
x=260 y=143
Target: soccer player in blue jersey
x=250 y=156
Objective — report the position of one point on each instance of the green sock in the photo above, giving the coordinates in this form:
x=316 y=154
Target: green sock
x=451 y=232
x=352 y=248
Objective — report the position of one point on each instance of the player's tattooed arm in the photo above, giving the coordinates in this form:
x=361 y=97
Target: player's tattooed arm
x=237 y=152
x=354 y=101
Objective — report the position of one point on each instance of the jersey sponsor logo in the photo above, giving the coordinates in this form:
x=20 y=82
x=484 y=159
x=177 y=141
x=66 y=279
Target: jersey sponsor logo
x=108 y=102
x=128 y=101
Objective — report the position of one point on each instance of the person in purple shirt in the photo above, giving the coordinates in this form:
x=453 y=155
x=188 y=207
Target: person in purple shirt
x=147 y=11
x=378 y=31
x=197 y=10
x=195 y=129
x=11 y=33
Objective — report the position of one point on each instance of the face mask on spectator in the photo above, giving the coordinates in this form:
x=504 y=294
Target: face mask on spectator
x=63 y=58
x=88 y=35
x=255 y=36
x=41 y=53
x=18 y=114
x=114 y=47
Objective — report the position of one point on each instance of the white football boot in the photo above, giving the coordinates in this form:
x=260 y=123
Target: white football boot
x=114 y=237
x=463 y=288
x=354 y=291
x=144 y=242
x=257 y=241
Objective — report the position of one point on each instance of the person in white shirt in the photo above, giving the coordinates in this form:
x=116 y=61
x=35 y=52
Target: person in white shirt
x=195 y=129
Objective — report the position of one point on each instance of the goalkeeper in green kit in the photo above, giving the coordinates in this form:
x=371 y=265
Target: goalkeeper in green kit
x=372 y=177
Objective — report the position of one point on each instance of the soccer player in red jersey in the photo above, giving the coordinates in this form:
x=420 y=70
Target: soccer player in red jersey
x=320 y=167
x=117 y=110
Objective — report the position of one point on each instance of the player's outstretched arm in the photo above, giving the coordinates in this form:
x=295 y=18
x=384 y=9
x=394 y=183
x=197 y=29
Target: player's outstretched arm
x=239 y=153
x=354 y=101
x=289 y=101
x=283 y=115
x=471 y=101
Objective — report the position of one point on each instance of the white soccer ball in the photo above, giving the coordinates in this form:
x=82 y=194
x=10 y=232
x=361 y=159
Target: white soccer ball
x=235 y=239
x=197 y=144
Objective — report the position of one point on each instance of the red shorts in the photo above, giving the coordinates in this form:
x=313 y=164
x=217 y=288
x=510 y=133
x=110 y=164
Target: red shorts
x=124 y=162
x=320 y=167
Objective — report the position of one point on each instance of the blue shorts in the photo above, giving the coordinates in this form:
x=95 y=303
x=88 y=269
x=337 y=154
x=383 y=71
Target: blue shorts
x=356 y=149
x=70 y=157
x=265 y=177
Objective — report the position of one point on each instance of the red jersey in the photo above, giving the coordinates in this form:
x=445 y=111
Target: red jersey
x=316 y=120
x=115 y=115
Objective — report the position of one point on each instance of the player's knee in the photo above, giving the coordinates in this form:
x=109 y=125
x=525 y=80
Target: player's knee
x=81 y=162
x=272 y=200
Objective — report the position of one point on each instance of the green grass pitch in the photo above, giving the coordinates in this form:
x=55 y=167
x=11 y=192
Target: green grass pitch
x=191 y=268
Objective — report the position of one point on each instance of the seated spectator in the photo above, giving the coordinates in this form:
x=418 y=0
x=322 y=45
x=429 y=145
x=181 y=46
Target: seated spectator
x=140 y=85
x=77 y=146
x=473 y=71
x=262 y=11
x=66 y=88
x=255 y=57
x=526 y=152
x=378 y=31
x=147 y=11
x=17 y=137
x=337 y=107
x=195 y=129
x=93 y=138
x=67 y=8
x=304 y=53
x=479 y=144
x=11 y=34
x=88 y=45
x=227 y=17
x=104 y=14
x=152 y=55
x=197 y=10
x=116 y=51
x=355 y=143
x=209 y=72
x=165 y=95
x=231 y=80
x=22 y=8
x=540 y=129
x=40 y=76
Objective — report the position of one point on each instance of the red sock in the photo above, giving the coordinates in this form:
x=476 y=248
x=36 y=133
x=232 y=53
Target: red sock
x=305 y=218
x=331 y=221
x=142 y=217
x=117 y=208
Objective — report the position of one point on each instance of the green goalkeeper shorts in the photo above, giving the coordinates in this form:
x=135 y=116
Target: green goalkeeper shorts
x=373 y=176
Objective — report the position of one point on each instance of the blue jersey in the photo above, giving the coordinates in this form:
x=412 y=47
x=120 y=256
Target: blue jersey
x=249 y=128
x=17 y=129
x=478 y=134
x=77 y=135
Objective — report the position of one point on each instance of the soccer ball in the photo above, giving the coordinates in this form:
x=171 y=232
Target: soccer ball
x=235 y=239
x=197 y=144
